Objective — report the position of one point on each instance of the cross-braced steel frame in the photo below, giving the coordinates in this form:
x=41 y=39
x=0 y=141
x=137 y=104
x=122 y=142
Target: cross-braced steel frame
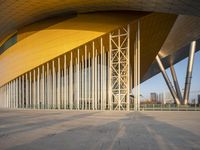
x=119 y=68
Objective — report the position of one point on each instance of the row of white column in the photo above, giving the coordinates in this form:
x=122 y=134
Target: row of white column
x=78 y=83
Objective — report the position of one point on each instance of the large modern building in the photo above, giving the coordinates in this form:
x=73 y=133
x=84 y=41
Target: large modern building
x=90 y=54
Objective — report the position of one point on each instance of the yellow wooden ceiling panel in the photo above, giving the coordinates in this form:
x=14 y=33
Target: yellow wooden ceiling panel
x=57 y=39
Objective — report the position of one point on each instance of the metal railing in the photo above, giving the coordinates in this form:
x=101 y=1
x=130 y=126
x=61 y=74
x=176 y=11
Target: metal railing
x=169 y=107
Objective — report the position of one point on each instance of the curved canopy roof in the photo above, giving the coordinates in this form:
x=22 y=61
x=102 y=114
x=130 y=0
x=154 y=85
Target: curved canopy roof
x=16 y=14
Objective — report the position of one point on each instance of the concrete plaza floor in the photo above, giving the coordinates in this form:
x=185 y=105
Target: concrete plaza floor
x=85 y=130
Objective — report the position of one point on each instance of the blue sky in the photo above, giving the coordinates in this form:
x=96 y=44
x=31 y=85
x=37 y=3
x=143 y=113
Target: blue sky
x=157 y=83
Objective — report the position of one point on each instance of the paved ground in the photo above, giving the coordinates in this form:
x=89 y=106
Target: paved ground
x=65 y=130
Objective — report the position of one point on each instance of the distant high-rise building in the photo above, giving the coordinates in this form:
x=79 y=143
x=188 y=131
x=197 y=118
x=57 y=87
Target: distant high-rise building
x=198 y=96
x=168 y=98
x=154 y=97
x=161 y=98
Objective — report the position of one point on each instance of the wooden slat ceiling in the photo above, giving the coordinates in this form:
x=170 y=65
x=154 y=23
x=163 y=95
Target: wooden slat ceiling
x=46 y=44
x=36 y=47
x=185 y=30
x=154 y=28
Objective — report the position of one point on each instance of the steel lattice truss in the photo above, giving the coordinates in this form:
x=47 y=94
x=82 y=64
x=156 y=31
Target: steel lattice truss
x=119 y=68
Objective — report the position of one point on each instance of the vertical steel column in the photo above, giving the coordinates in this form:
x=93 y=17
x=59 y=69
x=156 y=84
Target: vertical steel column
x=169 y=84
x=83 y=93
x=85 y=74
x=89 y=101
x=189 y=72
x=14 y=93
x=62 y=88
x=101 y=74
x=34 y=88
x=38 y=88
x=54 y=85
x=93 y=90
x=128 y=67
x=10 y=93
x=137 y=69
x=78 y=81
x=27 y=93
x=75 y=84
x=65 y=80
x=67 y=102
x=96 y=80
x=98 y=83
x=174 y=77
x=30 y=90
x=43 y=88
x=58 y=84
x=119 y=70
x=23 y=91
x=71 y=83
x=12 y=89
x=7 y=96
x=10 y=96
x=48 y=86
x=103 y=79
x=110 y=74
x=17 y=92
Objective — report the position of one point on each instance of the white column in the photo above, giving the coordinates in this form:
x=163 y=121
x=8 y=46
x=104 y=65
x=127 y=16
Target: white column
x=34 y=89
x=96 y=83
x=85 y=72
x=89 y=68
x=48 y=86
x=61 y=89
x=58 y=84
x=54 y=85
x=104 y=79
x=101 y=75
x=23 y=91
x=93 y=69
x=82 y=80
x=30 y=90
x=71 y=82
x=189 y=72
x=67 y=88
x=78 y=81
x=65 y=81
x=7 y=97
x=27 y=90
x=128 y=53
x=17 y=92
x=38 y=88
x=43 y=87
x=109 y=76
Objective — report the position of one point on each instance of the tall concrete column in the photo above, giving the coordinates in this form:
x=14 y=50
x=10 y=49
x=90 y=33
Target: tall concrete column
x=176 y=84
x=169 y=84
x=189 y=72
